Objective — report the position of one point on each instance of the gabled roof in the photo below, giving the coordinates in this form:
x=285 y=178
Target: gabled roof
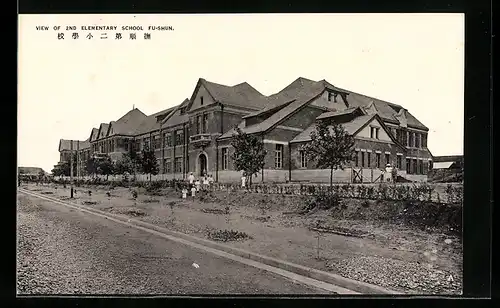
x=65 y=145
x=241 y=95
x=128 y=123
x=300 y=100
x=352 y=127
x=175 y=117
x=103 y=128
x=385 y=109
x=448 y=158
x=30 y=170
x=442 y=165
x=349 y=110
x=93 y=134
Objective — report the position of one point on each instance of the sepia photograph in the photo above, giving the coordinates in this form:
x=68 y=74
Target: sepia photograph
x=240 y=154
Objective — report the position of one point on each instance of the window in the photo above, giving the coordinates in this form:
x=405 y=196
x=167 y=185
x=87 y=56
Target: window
x=417 y=140
x=408 y=165
x=372 y=132
x=406 y=137
x=330 y=95
x=387 y=158
x=168 y=139
x=205 y=122
x=303 y=159
x=278 y=156
x=178 y=137
x=168 y=166
x=411 y=142
x=356 y=158
x=362 y=159
x=178 y=165
x=421 y=166
x=378 y=159
x=399 y=162
x=183 y=110
x=424 y=140
x=198 y=125
x=224 y=158
x=430 y=165
x=415 y=169
x=201 y=100
x=146 y=144
x=376 y=132
x=156 y=143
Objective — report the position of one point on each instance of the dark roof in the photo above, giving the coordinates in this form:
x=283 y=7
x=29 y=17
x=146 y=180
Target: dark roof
x=352 y=127
x=338 y=113
x=30 y=170
x=301 y=98
x=286 y=96
x=103 y=128
x=386 y=110
x=154 y=121
x=242 y=95
x=127 y=124
x=66 y=144
x=93 y=134
x=176 y=118
x=448 y=158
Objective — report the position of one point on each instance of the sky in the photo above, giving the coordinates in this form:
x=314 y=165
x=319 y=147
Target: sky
x=67 y=87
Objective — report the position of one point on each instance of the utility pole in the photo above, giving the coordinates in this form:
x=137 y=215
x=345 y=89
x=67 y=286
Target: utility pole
x=77 y=162
x=71 y=168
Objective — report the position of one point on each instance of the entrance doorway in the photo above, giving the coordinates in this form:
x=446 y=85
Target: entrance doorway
x=202 y=159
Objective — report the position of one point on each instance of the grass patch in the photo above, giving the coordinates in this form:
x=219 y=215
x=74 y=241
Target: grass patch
x=228 y=235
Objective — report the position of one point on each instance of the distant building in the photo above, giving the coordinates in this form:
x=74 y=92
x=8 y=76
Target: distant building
x=30 y=171
x=81 y=151
x=448 y=162
x=195 y=135
x=447 y=168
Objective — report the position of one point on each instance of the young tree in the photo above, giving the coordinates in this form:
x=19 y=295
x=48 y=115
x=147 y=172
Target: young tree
x=127 y=163
x=41 y=175
x=91 y=166
x=249 y=153
x=148 y=162
x=105 y=166
x=331 y=147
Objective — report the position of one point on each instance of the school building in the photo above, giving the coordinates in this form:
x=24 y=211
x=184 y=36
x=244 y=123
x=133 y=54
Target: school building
x=195 y=135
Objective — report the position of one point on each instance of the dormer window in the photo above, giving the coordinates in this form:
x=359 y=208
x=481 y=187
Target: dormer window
x=332 y=96
x=374 y=132
x=183 y=110
x=201 y=100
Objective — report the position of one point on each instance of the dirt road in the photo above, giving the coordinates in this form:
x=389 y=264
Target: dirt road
x=64 y=251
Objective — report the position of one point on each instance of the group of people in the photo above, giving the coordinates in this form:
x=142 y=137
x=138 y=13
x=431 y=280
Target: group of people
x=194 y=185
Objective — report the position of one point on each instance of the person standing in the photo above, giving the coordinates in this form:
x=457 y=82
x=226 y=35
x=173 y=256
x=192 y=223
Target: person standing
x=197 y=184
x=205 y=182
x=184 y=193
x=191 y=178
x=243 y=180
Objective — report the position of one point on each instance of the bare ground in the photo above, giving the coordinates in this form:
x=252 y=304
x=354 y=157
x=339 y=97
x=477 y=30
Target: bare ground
x=358 y=242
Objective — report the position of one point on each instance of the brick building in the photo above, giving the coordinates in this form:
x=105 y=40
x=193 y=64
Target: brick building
x=195 y=135
x=81 y=151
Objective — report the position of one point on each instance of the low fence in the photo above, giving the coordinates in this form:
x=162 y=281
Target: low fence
x=452 y=194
